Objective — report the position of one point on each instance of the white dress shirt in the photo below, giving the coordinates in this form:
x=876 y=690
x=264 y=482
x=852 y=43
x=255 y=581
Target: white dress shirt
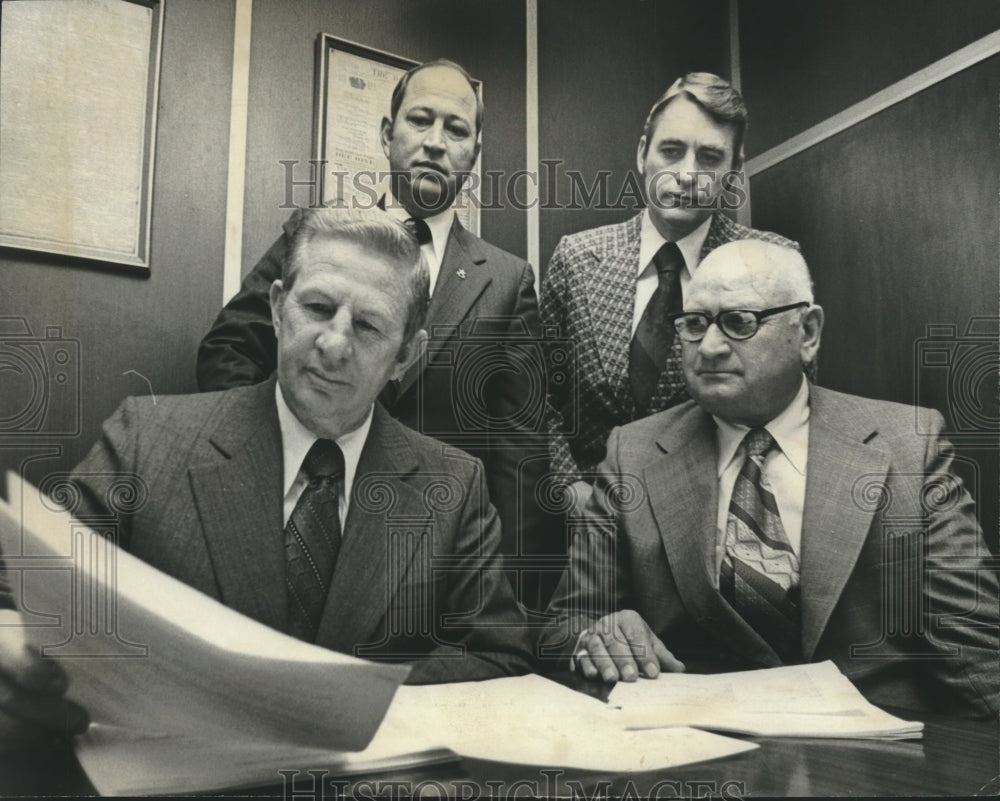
x=296 y=440
x=650 y=241
x=784 y=468
x=440 y=228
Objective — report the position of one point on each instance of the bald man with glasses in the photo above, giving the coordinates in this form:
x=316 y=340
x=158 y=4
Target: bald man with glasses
x=769 y=521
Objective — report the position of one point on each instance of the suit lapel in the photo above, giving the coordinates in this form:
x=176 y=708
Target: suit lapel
x=611 y=300
x=453 y=297
x=838 y=511
x=239 y=505
x=720 y=231
x=370 y=566
x=683 y=489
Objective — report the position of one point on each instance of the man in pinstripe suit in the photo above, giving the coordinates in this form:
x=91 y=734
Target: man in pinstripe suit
x=600 y=282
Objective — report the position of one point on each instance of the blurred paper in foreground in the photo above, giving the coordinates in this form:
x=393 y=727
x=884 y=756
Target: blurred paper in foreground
x=147 y=653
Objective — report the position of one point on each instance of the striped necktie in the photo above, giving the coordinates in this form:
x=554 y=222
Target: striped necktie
x=759 y=576
x=312 y=538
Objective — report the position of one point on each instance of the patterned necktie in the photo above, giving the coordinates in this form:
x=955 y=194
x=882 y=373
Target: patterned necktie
x=760 y=572
x=312 y=538
x=419 y=229
x=650 y=345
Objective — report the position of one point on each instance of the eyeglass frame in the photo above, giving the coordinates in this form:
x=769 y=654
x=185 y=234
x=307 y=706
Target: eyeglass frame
x=714 y=319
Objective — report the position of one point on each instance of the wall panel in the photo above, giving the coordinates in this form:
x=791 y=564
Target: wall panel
x=805 y=61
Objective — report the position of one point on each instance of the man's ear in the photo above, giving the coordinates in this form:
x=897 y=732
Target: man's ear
x=812 y=328
x=409 y=353
x=640 y=156
x=277 y=297
x=385 y=135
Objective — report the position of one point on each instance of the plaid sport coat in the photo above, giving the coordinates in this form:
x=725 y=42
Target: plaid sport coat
x=587 y=301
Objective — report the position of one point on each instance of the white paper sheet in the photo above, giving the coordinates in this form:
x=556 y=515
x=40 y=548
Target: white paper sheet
x=814 y=700
x=530 y=720
x=527 y=721
x=204 y=705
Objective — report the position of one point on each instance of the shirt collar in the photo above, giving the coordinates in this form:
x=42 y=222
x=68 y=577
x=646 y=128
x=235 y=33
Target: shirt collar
x=296 y=440
x=651 y=240
x=439 y=225
x=790 y=430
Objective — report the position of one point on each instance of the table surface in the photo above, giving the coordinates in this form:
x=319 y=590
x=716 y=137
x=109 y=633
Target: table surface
x=955 y=757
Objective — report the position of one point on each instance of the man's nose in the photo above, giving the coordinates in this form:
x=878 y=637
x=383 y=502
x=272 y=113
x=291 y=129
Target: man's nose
x=434 y=137
x=714 y=343
x=687 y=170
x=335 y=342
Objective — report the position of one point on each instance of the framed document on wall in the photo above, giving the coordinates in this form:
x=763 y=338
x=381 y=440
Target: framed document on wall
x=354 y=86
x=78 y=87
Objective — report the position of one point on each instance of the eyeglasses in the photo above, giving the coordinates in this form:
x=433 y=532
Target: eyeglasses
x=736 y=324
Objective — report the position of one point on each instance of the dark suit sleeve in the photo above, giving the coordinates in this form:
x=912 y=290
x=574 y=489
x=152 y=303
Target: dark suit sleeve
x=241 y=348
x=107 y=484
x=596 y=582
x=517 y=459
x=961 y=589
x=104 y=486
x=559 y=400
x=475 y=605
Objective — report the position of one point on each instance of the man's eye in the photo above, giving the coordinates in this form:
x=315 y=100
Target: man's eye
x=671 y=153
x=318 y=309
x=711 y=159
x=458 y=131
x=418 y=120
x=366 y=325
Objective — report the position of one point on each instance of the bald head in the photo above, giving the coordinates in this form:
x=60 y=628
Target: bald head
x=750 y=381
x=776 y=274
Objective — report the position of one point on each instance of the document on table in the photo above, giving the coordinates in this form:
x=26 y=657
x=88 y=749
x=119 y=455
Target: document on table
x=814 y=700
x=530 y=720
x=527 y=720
x=145 y=652
x=187 y=695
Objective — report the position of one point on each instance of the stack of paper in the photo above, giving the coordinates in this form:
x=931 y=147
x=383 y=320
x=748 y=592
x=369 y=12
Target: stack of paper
x=814 y=700
x=187 y=695
x=530 y=720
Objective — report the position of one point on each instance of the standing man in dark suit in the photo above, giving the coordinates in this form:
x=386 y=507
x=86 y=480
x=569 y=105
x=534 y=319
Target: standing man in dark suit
x=769 y=521
x=299 y=501
x=478 y=386
x=608 y=289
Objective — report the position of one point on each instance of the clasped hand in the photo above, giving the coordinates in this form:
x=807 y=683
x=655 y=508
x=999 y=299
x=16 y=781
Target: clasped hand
x=622 y=647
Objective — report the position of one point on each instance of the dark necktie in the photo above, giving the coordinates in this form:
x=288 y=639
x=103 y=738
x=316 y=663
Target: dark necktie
x=419 y=229
x=760 y=571
x=650 y=345
x=312 y=538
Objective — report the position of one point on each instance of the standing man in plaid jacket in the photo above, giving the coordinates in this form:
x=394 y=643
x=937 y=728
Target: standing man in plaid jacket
x=608 y=289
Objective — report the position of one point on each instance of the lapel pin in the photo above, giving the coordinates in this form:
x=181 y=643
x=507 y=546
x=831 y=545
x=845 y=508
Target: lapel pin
x=461 y=274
